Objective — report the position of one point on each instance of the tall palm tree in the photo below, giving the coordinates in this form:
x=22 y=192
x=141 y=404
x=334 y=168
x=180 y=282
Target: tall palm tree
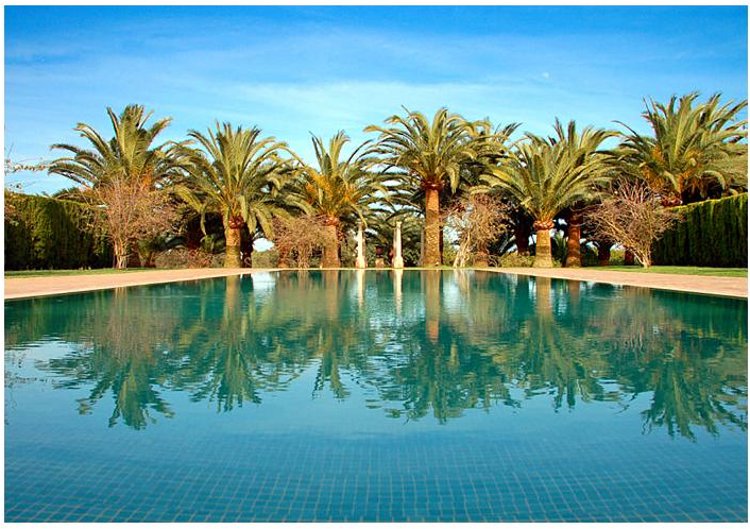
x=492 y=147
x=694 y=151
x=234 y=173
x=128 y=167
x=432 y=154
x=339 y=190
x=546 y=175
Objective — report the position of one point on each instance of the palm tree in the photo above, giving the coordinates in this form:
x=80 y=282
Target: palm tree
x=122 y=174
x=339 y=190
x=546 y=175
x=236 y=174
x=432 y=154
x=694 y=152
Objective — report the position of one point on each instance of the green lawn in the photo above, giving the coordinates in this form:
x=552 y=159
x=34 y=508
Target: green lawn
x=99 y=271
x=685 y=270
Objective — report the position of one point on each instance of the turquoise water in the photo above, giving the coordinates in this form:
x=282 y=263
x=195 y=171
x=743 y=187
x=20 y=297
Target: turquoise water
x=376 y=396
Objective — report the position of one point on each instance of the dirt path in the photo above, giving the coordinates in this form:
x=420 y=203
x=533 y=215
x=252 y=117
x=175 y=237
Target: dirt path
x=24 y=287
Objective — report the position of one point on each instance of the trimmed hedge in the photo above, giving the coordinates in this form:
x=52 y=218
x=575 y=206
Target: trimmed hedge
x=48 y=233
x=711 y=233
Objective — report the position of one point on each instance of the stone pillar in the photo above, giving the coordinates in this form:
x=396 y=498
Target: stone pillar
x=360 y=287
x=398 y=277
x=398 y=260
x=361 y=261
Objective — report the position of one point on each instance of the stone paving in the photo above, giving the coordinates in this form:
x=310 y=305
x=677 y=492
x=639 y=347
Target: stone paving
x=24 y=287
x=715 y=285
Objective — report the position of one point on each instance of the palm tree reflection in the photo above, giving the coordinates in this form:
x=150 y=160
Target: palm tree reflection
x=124 y=350
x=459 y=341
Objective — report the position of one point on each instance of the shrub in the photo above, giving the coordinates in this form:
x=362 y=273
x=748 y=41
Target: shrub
x=47 y=233
x=616 y=257
x=298 y=239
x=589 y=256
x=514 y=260
x=712 y=233
x=266 y=259
x=185 y=258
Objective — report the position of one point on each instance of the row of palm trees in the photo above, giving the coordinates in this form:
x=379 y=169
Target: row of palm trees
x=414 y=167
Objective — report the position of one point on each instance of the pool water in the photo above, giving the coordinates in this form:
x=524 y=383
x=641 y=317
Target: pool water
x=376 y=396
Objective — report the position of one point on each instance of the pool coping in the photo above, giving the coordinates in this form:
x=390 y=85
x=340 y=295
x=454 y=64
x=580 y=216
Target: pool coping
x=734 y=287
x=37 y=286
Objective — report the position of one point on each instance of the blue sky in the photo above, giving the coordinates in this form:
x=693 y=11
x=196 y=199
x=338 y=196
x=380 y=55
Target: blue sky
x=296 y=70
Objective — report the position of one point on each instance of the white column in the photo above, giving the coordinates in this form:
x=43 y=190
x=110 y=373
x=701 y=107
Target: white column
x=360 y=287
x=398 y=260
x=361 y=261
x=398 y=277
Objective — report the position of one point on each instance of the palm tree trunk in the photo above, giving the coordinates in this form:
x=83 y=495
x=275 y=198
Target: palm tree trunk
x=604 y=253
x=574 y=294
x=331 y=286
x=330 y=258
x=441 y=246
x=432 y=228
x=431 y=285
x=421 y=247
x=543 y=257
x=573 y=257
x=246 y=248
x=543 y=288
x=522 y=232
x=232 y=238
x=231 y=297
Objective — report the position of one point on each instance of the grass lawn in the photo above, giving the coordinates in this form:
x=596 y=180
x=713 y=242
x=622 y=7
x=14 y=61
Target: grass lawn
x=685 y=270
x=98 y=271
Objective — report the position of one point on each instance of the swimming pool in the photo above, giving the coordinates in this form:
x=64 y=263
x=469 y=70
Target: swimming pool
x=376 y=396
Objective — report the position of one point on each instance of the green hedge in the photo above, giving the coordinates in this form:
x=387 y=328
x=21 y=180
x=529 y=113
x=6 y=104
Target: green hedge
x=711 y=233
x=47 y=233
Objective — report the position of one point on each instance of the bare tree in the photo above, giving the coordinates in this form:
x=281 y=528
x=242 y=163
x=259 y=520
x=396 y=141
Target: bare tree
x=478 y=220
x=296 y=238
x=134 y=211
x=634 y=216
x=130 y=164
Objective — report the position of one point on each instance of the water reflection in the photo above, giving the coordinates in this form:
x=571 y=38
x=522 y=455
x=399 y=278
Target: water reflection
x=423 y=343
